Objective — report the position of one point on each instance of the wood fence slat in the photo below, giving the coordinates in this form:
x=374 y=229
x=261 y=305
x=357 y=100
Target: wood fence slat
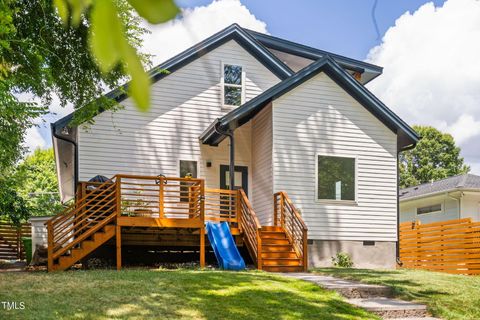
x=448 y=246
x=11 y=244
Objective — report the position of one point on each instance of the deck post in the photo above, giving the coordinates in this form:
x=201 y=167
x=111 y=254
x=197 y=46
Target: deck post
x=202 y=247
x=161 y=194
x=118 y=236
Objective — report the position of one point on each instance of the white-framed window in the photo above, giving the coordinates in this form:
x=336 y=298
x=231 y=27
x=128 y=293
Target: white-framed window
x=434 y=208
x=336 y=178
x=233 y=85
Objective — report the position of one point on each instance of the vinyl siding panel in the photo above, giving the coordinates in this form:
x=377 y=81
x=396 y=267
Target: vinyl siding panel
x=184 y=103
x=319 y=117
x=262 y=191
x=450 y=209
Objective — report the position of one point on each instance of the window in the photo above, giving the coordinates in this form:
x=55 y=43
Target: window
x=335 y=178
x=187 y=169
x=233 y=85
x=430 y=209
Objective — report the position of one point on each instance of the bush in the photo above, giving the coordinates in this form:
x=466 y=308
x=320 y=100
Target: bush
x=342 y=260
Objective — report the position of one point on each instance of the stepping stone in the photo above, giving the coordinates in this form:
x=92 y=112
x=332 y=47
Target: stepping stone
x=348 y=289
x=391 y=308
x=373 y=298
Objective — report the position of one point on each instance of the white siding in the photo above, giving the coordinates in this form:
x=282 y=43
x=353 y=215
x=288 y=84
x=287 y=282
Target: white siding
x=450 y=210
x=320 y=117
x=471 y=206
x=262 y=191
x=183 y=104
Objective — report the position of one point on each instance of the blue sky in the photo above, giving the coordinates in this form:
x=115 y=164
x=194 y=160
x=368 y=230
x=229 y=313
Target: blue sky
x=341 y=26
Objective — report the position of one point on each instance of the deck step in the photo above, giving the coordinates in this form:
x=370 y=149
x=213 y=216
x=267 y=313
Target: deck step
x=282 y=268
x=268 y=241
x=391 y=308
x=276 y=247
x=273 y=235
x=281 y=254
x=281 y=262
x=272 y=228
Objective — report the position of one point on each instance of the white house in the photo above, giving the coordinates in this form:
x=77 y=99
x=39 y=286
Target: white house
x=452 y=198
x=288 y=117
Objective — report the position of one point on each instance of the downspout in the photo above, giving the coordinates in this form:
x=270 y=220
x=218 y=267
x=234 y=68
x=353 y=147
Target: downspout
x=458 y=202
x=397 y=246
x=75 y=148
x=231 y=170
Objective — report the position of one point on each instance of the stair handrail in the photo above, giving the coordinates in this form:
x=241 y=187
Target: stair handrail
x=288 y=217
x=83 y=219
x=250 y=227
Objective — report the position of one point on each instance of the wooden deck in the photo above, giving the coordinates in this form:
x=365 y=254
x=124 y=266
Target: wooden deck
x=136 y=204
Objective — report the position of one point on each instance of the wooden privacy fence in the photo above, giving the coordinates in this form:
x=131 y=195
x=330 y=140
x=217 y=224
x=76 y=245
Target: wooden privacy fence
x=449 y=246
x=11 y=245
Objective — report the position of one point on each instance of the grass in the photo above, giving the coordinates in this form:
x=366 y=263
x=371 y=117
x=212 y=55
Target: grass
x=175 y=294
x=447 y=296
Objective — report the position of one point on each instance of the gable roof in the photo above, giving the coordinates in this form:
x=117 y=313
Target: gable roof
x=232 y=32
x=369 y=71
x=463 y=181
x=239 y=116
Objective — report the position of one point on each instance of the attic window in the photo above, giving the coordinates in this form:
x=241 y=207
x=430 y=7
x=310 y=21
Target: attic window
x=233 y=85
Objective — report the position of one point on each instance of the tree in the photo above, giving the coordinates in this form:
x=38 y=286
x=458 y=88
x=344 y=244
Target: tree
x=435 y=157
x=42 y=56
x=13 y=207
x=36 y=182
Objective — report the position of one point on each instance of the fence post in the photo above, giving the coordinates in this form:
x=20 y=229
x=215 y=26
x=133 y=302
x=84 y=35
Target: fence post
x=305 y=251
x=50 y=246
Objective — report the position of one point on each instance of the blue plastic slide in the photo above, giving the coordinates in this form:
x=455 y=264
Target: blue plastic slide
x=224 y=246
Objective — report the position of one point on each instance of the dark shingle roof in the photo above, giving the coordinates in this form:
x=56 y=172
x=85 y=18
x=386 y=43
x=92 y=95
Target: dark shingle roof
x=463 y=181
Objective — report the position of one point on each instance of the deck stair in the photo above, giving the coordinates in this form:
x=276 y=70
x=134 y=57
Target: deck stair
x=278 y=254
x=83 y=227
x=84 y=248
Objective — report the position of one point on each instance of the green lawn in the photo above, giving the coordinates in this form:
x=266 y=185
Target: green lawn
x=447 y=296
x=176 y=294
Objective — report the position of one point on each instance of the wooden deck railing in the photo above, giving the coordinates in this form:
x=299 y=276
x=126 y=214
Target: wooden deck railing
x=161 y=197
x=288 y=217
x=221 y=205
x=251 y=228
x=87 y=215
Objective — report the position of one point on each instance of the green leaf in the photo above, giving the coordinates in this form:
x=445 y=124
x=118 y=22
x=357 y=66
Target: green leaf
x=107 y=35
x=78 y=7
x=139 y=86
x=62 y=9
x=156 y=11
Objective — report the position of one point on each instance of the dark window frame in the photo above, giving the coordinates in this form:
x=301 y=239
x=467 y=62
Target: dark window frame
x=240 y=86
x=317 y=179
x=433 y=208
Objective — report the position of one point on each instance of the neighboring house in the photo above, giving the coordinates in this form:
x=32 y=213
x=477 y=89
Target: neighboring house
x=447 y=199
x=301 y=121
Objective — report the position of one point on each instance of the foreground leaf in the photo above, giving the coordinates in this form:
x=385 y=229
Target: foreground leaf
x=156 y=11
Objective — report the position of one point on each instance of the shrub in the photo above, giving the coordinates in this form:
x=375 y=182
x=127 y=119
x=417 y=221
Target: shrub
x=342 y=260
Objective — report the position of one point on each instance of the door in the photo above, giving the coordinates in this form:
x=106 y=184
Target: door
x=241 y=177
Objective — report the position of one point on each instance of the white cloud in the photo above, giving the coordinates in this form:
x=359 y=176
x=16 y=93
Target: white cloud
x=34 y=139
x=432 y=72
x=196 y=24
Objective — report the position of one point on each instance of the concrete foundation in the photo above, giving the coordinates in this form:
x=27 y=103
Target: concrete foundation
x=373 y=255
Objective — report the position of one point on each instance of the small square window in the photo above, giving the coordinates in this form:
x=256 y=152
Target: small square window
x=336 y=178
